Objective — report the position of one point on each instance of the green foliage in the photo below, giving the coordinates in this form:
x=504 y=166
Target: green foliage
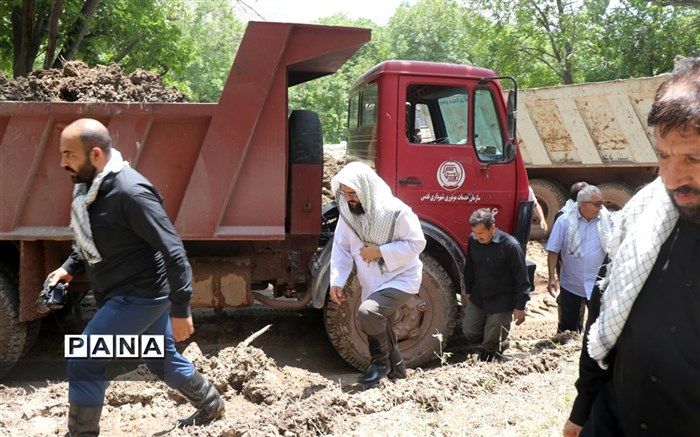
x=214 y=33
x=639 y=38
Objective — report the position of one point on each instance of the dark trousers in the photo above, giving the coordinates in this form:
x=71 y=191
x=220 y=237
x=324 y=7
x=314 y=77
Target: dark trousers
x=602 y=421
x=489 y=330
x=127 y=315
x=376 y=313
x=571 y=310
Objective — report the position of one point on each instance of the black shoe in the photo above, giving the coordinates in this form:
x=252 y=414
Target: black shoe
x=83 y=421
x=380 y=366
x=205 y=398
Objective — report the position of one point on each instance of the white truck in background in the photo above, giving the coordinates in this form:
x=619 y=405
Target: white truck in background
x=593 y=132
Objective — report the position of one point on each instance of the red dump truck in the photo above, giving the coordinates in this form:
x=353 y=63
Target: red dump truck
x=241 y=180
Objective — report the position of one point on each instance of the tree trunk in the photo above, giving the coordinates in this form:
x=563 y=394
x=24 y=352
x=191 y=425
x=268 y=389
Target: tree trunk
x=77 y=32
x=22 y=34
x=121 y=55
x=53 y=33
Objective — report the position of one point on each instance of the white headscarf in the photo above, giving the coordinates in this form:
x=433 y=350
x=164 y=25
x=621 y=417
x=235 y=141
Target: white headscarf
x=574 y=233
x=381 y=207
x=82 y=198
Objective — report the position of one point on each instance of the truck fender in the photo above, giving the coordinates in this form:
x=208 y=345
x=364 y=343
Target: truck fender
x=448 y=253
x=321 y=273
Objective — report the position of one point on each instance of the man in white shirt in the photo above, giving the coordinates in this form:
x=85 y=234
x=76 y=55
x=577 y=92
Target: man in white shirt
x=580 y=238
x=383 y=238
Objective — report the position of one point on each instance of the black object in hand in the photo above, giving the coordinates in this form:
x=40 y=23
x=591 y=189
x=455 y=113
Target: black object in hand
x=52 y=298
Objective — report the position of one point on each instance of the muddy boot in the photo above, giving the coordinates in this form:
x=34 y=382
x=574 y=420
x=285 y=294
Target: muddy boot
x=204 y=397
x=84 y=421
x=379 y=367
x=398 y=367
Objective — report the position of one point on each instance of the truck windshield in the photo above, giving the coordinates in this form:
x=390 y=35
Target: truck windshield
x=436 y=114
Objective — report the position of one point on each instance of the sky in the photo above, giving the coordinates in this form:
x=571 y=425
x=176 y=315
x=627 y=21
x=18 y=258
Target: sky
x=307 y=11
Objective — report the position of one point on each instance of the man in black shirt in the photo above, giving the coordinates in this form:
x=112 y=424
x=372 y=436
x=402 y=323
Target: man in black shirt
x=138 y=269
x=640 y=366
x=496 y=285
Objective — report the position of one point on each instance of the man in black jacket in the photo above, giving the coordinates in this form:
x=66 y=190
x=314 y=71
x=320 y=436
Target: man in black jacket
x=138 y=270
x=640 y=366
x=496 y=285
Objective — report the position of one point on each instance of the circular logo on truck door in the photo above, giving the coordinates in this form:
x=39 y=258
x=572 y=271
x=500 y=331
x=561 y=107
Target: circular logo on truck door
x=451 y=175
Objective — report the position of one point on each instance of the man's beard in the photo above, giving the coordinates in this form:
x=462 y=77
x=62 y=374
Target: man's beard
x=85 y=174
x=690 y=213
x=356 y=208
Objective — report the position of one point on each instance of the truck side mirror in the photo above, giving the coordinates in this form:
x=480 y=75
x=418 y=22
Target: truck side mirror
x=512 y=112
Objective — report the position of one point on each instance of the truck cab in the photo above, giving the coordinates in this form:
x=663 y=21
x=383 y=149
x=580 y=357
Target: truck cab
x=443 y=137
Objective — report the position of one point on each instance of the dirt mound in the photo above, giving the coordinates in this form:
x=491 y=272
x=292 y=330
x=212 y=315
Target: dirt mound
x=331 y=167
x=76 y=82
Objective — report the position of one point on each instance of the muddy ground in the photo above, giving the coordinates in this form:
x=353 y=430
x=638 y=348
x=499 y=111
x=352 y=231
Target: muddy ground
x=290 y=381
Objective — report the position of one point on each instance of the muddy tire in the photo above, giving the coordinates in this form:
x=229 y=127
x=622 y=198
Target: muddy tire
x=33 y=329
x=551 y=198
x=615 y=195
x=414 y=328
x=12 y=332
x=305 y=138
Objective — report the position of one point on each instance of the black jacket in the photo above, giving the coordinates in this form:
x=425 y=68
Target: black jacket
x=655 y=367
x=141 y=253
x=495 y=275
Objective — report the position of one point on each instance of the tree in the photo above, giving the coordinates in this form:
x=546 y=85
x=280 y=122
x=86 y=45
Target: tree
x=639 y=38
x=132 y=33
x=215 y=34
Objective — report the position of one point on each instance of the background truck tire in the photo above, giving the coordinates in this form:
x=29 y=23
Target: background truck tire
x=305 y=138
x=419 y=346
x=551 y=197
x=12 y=332
x=616 y=195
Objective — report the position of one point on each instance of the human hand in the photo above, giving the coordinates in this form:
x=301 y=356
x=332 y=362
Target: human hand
x=553 y=287
x=571 y=429
x=338 y=296
x=519 y=316
x=182 y=327
x=60 y=274
x=543 y=225
x=370 y=252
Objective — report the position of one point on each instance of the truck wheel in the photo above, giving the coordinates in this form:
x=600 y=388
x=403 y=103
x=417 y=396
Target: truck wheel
x=433 y=310
x=615 y=195
x=305 y=138
x=551 y=198
x=12 y=332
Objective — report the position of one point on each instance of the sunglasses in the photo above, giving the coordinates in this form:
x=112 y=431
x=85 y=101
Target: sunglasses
x=598 y=203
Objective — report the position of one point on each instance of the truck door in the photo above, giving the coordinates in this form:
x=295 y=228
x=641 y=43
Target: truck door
x=450 y=158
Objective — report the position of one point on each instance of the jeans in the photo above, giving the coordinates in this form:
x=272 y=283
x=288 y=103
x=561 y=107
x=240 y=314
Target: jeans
x=127 y=315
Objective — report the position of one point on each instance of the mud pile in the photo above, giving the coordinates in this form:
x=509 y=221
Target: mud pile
x=331 y=167
x=76 y=82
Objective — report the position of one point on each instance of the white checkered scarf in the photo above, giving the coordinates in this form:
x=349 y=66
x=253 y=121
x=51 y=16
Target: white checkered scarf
x=640 y=229
x=82 y=198
x=381 y=207
x=574 y=234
